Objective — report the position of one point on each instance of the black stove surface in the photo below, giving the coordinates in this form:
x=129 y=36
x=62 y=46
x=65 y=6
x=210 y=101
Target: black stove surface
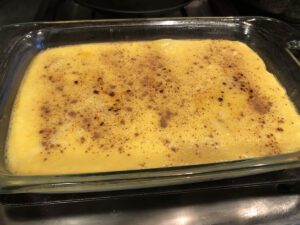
x=272 y=198
x=258 y=205
x=247 y=200
x=15 y=11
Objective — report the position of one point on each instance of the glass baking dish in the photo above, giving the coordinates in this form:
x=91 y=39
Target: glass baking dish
x=273 y=40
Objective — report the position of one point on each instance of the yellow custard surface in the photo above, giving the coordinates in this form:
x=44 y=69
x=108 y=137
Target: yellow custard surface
x=148 y=104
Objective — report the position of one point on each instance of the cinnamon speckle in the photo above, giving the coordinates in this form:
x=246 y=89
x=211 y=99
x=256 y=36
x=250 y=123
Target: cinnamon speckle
x=165 y=117
x=111 y=94
x=279 y=129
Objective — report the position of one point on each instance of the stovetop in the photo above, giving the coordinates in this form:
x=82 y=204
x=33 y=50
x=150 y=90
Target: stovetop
x=272 y=198
x=15 y=11
x=248 y=200
x=259 y=205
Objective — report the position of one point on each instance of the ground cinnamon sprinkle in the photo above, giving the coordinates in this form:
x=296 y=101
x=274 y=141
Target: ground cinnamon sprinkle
x=136 y=105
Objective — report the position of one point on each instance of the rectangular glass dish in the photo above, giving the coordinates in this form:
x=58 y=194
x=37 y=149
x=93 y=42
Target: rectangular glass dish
x=273 y=40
